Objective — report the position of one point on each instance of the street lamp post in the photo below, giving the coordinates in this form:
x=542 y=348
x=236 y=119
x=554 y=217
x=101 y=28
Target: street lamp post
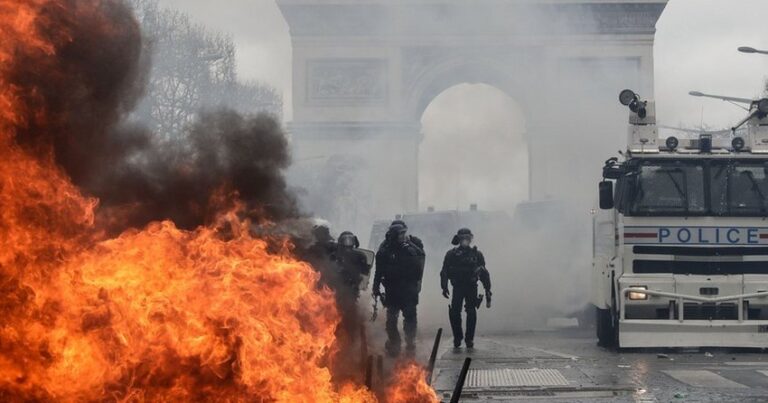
x=747 y=49
x=721 y=97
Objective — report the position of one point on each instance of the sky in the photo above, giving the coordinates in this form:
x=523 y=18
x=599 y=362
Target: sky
x=696 y=46
x=695 y=50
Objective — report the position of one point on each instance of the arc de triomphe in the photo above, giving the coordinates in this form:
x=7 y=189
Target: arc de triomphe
x=365 y=70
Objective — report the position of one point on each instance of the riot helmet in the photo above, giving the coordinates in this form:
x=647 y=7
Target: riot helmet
x=463 y=237
x=322 y=233
x=400 y=222
x=397 y=233
x=348 y=240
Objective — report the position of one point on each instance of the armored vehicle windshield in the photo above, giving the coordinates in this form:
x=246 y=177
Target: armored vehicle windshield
x=694 y=187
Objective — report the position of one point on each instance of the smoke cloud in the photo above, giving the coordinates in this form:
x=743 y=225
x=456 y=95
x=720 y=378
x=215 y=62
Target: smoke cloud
x=554 y=104
x=183 y=179
x=80 y=101
x=77 y=99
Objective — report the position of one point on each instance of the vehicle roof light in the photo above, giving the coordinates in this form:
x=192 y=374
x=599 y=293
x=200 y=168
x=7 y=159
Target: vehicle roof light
x=738 y=144
x=672 y=143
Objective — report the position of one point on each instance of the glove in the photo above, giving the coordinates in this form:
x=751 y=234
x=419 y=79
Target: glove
x=446 y=293
x=488 y=300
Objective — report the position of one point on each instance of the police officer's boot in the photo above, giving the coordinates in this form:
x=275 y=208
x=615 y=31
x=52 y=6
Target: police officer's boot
x=471 y=323
x=392 y=348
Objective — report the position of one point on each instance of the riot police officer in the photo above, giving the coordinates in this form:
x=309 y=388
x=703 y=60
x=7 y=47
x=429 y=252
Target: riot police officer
x=352 y=263
x=400 y=268
x=323 y=247
x=463 y=266
x=351 y=270
x=320 y=255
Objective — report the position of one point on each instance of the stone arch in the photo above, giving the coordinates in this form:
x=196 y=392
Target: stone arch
x=446 y=74
x=363 y=73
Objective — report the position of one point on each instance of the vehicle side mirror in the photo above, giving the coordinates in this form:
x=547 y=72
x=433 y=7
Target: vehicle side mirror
x=606 y=195
x=612 y=169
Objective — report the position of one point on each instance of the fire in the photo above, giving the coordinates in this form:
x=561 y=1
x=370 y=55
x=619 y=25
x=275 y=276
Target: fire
x=154 y=314
x=409 y=385
x=164 y=314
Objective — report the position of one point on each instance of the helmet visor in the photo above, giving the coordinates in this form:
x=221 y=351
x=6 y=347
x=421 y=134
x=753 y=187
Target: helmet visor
x=347 y=240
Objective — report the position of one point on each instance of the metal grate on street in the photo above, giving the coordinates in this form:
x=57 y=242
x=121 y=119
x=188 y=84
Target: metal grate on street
x=510 y=378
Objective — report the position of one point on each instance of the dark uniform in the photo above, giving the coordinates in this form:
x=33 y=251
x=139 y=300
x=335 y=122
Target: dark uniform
x=351 y=268
x=351 y=263
x=320 y=256
x=464 y=266
x=400 y=268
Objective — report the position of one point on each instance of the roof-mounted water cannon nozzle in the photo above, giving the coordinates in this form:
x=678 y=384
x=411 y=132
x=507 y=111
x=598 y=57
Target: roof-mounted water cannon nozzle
x=758 y=128
x=631 y=100
x=643 y=133
x=758 y=111
x=762 y=107
x=755 y=138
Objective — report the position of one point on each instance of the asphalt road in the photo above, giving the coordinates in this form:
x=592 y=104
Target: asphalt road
x=566 y=365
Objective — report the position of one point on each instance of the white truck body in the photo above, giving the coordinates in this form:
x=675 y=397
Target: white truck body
x=681 y=260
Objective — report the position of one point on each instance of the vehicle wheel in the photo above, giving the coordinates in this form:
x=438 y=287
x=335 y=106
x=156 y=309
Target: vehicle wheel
x=586 y=317
x=606 y=331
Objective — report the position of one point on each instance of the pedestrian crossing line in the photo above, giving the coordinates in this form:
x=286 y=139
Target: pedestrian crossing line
x=703 y=379
x=746 y=363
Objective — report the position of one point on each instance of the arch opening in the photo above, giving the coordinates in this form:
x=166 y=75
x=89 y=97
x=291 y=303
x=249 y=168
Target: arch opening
x=474 y=150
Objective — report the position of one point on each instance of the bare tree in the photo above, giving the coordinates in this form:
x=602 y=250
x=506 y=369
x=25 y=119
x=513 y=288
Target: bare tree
x=335 y=189
x=192 y=68
x=254 y=98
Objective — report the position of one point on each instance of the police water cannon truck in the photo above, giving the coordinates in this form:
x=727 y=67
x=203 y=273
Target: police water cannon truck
x=681 y=236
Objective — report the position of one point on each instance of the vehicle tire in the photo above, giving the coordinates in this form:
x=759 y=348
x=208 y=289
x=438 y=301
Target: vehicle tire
x=586 y=317
x=606 y=331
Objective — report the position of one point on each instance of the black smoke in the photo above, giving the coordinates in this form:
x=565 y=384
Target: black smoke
x=189 y=180
x=81 y=93
x=77 y=91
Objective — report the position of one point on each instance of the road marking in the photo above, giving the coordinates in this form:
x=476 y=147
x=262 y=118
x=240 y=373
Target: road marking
x=747 y=363
x=703 y=379
x=764 y=372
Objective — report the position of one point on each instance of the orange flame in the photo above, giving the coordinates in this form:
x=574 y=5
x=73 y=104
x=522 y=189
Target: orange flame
x=158 y=314
x=409 y=385
x=212 y=318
